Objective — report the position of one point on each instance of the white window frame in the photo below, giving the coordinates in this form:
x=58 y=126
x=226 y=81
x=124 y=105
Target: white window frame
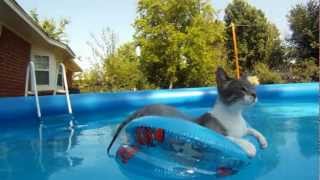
x=59 y=70
x=43 y=70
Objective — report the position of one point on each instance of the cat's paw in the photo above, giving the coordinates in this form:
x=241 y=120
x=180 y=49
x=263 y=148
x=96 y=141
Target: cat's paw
x=248 y=148
x=263 y=142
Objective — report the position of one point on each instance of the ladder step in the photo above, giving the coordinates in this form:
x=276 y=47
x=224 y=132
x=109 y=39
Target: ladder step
x=61 y=91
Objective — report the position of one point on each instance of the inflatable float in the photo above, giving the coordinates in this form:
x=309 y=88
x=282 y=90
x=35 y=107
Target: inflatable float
x=172 y=148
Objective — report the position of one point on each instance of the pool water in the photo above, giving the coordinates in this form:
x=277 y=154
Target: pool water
x=52 y=151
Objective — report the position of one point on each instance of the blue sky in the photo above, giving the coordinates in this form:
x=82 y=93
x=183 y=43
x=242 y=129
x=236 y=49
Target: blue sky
x=92 y=16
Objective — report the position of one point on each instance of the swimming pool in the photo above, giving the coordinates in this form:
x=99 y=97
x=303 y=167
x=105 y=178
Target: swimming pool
x=286 y=114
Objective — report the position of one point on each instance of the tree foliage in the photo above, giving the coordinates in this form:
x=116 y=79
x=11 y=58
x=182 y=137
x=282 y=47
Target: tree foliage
x=181 y=42
x=257 y=39
x=303 y=71
x=306 y=71
x=113 y=68
x=122 y=70
x=53 y=28
x=304 y=23
x=103 y=45
x=266 y=75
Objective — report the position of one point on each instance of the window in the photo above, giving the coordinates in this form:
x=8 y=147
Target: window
x=60 y=76
x=42 y=69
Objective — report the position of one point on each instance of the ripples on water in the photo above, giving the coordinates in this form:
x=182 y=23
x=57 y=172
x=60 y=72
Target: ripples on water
x=57 y=152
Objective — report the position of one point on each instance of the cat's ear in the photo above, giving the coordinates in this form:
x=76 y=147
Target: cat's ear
x=221 y=77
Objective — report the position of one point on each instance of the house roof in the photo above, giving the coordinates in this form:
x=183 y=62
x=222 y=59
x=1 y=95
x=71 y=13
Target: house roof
x=34 y=25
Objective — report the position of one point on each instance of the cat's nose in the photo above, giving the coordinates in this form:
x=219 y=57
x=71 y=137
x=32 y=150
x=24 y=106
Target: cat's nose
x=254 y=95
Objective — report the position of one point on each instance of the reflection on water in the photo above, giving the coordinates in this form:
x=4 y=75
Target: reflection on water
x=57 y=150
x=292 y=132
x=308 y=125
x=38 y=157
x=58 y=147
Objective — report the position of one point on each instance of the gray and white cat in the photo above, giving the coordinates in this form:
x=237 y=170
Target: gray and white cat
x=233 y=97
x=225 y=117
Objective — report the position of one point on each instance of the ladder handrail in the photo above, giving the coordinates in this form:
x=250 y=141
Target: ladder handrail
x=64 y=85
x=31 y=69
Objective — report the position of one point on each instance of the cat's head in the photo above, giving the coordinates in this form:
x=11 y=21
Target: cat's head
x=232 y=91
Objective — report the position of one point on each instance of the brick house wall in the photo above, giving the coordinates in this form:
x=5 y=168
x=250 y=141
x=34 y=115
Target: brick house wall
x=14 y=58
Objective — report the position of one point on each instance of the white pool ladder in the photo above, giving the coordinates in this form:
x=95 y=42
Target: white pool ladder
x=31 y=70
x=65 y=86
x=34 y=90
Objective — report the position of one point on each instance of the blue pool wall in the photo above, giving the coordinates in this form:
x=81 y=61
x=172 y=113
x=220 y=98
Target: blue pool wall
x=24 y=109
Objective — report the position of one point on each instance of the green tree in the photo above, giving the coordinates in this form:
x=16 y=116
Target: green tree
x=304 y=23
x=266 y=76
x=113 y=68
x=122 y=70
x=54 y=29
x=257 y=39
x=304 y=71
x=91 y=81
x=102 y=46
x=181 y=42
